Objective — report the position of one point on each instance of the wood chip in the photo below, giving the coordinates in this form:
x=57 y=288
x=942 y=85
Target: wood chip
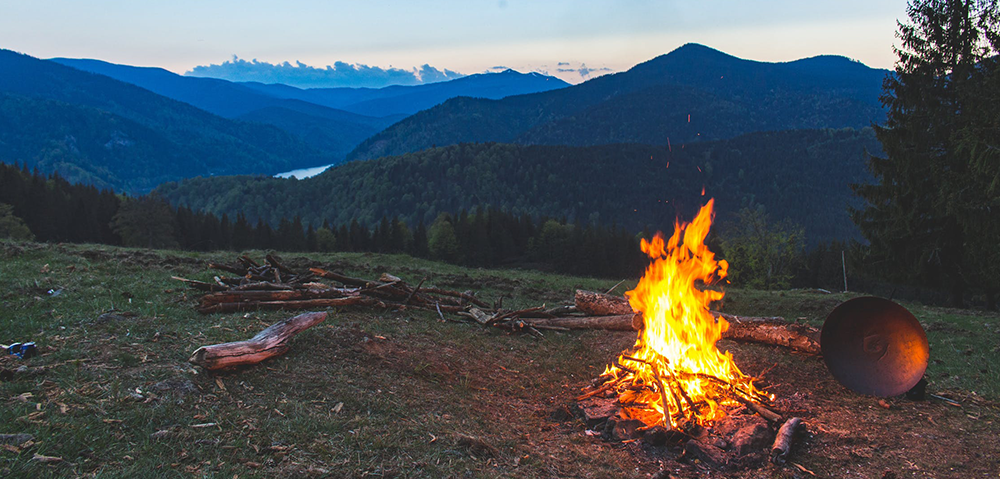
x=46 y=459
x=802 y=468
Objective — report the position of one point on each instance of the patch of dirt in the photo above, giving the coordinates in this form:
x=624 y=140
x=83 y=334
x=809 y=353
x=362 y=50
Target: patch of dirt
x=850 y=435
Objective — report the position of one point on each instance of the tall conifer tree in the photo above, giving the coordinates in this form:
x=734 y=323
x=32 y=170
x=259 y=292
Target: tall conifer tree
x=910 y=217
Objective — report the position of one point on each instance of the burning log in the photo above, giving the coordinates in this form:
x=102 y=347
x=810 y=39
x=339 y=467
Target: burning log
x=783 y=443
x=270 y=342
x=766 y=330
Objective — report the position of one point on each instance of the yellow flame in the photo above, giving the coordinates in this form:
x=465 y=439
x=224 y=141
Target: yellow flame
x=675 y=357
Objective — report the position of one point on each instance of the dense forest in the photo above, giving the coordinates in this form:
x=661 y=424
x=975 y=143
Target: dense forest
x=804 y=176
x=49 y=208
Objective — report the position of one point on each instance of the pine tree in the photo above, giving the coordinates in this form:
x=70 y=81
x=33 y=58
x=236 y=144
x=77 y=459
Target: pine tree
x=910 y=217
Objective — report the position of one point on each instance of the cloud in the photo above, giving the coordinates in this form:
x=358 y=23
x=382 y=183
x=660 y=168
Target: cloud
x=500 y=68
x=340 y=74
x=562 y=64
x=583 y=70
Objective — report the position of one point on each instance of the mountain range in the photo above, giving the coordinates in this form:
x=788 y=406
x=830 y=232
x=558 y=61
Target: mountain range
x=131 y=128
x=332 y=120
x=693 y=93
x=772 y=134
x=92 y=128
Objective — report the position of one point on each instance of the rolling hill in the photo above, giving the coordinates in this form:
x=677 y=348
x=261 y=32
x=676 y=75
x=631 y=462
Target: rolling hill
x=692 y=94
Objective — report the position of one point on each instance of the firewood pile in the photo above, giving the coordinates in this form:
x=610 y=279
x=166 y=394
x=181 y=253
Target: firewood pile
x=273 y=285
x=252 y=286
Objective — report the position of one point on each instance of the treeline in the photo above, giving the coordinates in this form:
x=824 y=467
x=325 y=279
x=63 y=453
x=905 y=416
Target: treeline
x=804 y=176
x=55 y=210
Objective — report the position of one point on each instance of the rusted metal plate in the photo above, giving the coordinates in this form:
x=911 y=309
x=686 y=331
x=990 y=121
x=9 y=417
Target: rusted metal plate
x=874 y=346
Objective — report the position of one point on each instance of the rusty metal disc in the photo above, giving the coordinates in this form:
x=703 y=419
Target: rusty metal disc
x=874 y=346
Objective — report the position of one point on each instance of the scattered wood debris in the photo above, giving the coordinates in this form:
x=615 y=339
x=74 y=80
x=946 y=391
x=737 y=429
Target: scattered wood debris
x=272 y=285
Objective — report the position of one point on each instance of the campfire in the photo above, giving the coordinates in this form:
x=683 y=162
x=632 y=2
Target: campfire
x=675 y=375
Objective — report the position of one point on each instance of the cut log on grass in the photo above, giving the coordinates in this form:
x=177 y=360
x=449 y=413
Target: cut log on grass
x=601 y=304
x=783 y=442
x=347 y=280
x=289 y=305
x=621 y=322
x=775 y=331
x=270 y=342
x=279 y=295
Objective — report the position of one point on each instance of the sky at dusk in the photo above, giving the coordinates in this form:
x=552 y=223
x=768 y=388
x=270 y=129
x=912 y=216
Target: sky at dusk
x=467 y=36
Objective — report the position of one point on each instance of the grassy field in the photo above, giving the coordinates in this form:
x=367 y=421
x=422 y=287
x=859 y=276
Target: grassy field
x=382 y=393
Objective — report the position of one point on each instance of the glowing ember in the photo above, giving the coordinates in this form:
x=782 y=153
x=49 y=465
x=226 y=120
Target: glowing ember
x=674 y=372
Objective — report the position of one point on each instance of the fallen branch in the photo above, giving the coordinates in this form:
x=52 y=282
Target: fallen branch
x=200 y=284
x=270 y=342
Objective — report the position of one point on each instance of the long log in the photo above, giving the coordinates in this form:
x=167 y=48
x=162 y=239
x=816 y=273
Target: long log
x=773 y=330
x=620 y=322
x=283 y=295
x=289 y=305
x=601 y=304
x=341 y=278
x=270 y=342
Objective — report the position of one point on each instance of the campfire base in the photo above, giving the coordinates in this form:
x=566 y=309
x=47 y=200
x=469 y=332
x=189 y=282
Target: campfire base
x=741 y=440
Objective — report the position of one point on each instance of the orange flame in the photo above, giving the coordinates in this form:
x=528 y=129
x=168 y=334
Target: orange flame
x=674 y=371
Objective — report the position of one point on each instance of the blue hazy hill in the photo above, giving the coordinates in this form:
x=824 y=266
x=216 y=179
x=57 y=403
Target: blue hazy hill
x=99 y=130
